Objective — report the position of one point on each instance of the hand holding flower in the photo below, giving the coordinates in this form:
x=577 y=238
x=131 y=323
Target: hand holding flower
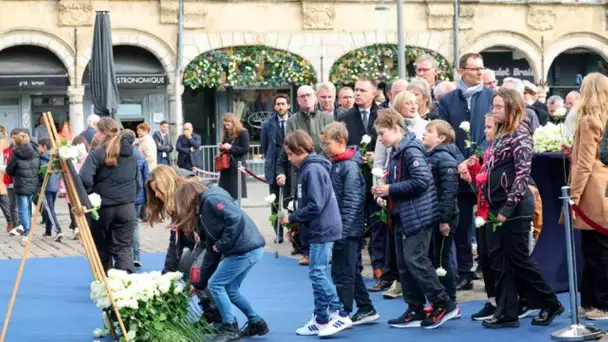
x=284 y=219
x=380 y=190
x=501 y=218
x=444 y=229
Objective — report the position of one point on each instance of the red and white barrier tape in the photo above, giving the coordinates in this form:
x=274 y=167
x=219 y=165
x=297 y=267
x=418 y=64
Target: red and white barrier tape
x=217 y=174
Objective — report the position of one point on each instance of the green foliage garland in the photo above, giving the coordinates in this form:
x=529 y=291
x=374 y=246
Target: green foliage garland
x=380 y=62
x=248 y=66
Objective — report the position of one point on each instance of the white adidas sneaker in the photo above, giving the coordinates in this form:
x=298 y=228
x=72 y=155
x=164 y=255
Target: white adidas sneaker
x=336 y=324
x=311 y=328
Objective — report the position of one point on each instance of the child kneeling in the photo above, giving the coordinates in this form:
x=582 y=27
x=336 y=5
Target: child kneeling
x=320 y=224
x=231 y=234
x=412 y=206
x=349 y=187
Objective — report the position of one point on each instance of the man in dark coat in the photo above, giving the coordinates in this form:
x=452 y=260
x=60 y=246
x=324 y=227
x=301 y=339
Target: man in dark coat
x=187 y=145
x=163 y=144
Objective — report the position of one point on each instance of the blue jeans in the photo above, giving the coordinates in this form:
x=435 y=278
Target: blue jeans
x=163 y=161
x=24 y=203
x=136 y=234
x=323 y=289
x=224 y=284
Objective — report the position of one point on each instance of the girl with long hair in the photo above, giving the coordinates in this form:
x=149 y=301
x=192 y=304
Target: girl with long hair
x=511 y=207
x=235 y=142
x=588 y=190
x=81 y=144
x=161 y=185
x=231 y=234
x=111 y=171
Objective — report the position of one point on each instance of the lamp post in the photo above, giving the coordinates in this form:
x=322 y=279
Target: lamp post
x=179 y=118
x=456 y=37
x=382 y=6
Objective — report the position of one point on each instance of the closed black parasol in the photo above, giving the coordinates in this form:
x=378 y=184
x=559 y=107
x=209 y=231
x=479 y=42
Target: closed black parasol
x=103 y=78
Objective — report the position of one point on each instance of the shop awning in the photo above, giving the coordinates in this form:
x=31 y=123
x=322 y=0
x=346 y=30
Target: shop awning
x=31 y=67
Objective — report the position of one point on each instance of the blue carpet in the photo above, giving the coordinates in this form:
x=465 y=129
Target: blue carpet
x=53 y=305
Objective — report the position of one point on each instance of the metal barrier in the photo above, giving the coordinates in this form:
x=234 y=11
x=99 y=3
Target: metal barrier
x=253 y=162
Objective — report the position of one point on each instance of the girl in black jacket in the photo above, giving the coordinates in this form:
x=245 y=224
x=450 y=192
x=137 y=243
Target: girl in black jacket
x=23 y=167
x=111 y=171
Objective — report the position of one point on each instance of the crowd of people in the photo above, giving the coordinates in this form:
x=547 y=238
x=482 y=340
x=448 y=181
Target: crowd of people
x=446 y=154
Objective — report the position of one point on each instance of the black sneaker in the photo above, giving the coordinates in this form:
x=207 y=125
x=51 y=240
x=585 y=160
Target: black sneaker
x=227 y=333
x=258 y=328
x=440 y=315
x=365 y=317
x=546 y=316
x=464 y=284
x=486 y=312
x=137 y=263
x=499 y=323
x=410 y=319
x=380 y=285
x=524 y=311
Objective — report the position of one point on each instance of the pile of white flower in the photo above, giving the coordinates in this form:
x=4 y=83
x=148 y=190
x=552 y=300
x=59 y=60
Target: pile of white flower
x=155 y=292
x=549 y=138
x=70 y=152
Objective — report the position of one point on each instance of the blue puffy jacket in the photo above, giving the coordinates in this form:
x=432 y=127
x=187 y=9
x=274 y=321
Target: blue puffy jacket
x=444 y=160
x=225 y=226
x=412 y=188
x=349 y=187
x=143 y=171
x=317 y=210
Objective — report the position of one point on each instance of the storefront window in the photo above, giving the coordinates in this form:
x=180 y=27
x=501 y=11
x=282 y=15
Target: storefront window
x=57 y=105
x=253 y=106
x=130 y=113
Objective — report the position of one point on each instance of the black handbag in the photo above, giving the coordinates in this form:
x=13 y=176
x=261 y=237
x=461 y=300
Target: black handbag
x=603 y=150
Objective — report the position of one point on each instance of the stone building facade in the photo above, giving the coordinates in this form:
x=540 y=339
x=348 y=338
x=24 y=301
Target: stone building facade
x=318 y=31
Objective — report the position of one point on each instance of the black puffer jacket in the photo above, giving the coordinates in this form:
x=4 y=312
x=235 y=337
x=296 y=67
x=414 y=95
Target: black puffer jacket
x=115 y=185
x=444 y=160
x=349 y=187
x=24 y=167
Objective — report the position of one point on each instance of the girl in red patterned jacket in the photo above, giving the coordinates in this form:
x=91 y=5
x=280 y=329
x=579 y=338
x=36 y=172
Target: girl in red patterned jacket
x=14 y=225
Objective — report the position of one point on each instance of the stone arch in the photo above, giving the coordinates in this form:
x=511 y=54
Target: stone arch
x=29 y=36
x=153 y=44
x=588 y=40
x=515 y=41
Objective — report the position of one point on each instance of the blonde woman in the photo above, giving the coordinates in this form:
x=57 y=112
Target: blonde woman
x=422 y=91
x=235 y=142
x=589 y=178
x=407 y=105
x=147 y=146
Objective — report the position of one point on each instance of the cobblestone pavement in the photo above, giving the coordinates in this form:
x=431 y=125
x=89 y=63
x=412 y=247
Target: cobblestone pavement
x=155 y=239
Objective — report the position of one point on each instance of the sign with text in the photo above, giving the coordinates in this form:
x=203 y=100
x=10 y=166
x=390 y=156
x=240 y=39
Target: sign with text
x=503 y=65
x=33 y=82
x=137 y=81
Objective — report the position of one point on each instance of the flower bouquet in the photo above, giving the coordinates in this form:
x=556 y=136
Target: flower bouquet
x=549 y=138
x=379 y=177
x=153 y=306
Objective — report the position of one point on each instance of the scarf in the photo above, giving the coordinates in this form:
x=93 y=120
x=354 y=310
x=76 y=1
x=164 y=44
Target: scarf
x=468 y=92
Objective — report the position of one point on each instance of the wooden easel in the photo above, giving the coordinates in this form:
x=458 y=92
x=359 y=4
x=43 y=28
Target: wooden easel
x=79 y=215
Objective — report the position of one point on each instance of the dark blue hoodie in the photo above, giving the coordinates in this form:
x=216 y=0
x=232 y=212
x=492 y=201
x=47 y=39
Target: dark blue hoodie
x=444 y=160
x=317 y=210
x=412 y=189
x=349 y=187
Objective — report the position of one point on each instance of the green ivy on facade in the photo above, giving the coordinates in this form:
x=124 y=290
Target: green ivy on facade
x=380 y=62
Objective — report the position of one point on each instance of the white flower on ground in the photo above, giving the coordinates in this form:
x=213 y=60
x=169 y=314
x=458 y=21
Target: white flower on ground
x=479 y=221
x=441 y=272
x=270 y=198
x=560 y=112
x=377 y=172
x=95 y=200
x=465 y=126
x=82 y=150
x=67 y=152
x=291 y=206
x=366 y=139
x=99 y=333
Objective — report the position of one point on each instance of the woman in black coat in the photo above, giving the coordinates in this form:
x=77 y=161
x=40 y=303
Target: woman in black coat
x=235 y=142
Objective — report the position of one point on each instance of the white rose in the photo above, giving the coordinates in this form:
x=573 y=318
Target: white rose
x=377 y=172
x=560 y=112
x=95 y=200
x=270 y=198
x=65 y=153
x=179 y=288
x=82 y=150
x=366 y=139
x=291 y=206
x=103 y=303
x=174 y=276
x=164 y=285
x=465 y=126
x=441 y=272
x=479 y=221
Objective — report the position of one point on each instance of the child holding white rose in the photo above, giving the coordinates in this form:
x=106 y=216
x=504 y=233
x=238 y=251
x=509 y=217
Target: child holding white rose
x=50 y=193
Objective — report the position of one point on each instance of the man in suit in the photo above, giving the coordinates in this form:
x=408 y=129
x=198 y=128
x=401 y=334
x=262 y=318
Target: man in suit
x=163 y=144
x=531 y=96
x=359 y=121
x=187 y=145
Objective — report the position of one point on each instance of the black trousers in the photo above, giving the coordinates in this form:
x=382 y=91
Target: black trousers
x=418 y=277
x=48 y=212
x=484 y=260
x=378 y=230
x=113 y=235
x=594 y=293
x=463 y=233
x=441 y=256
x=346 y=274
x=513 y=267
x=391 y=271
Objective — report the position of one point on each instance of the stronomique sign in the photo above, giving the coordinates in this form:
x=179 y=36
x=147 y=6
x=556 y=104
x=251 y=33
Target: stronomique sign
x=137 y=80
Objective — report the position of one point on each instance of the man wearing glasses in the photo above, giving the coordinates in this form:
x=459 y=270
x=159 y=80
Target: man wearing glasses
x=469 y=102
x=312 y=121
x=426 y=69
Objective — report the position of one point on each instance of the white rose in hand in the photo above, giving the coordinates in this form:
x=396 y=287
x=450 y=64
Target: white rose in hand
x=377 y=172
x=82 y=150
x=366 y=139
x=559 y=112
x=290 y=206
x=270 y=198
x=95 y=200
x=465 y=126
x=479 y=221
x=65 y=152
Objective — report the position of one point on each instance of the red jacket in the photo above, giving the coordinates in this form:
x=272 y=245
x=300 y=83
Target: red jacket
x=8 y=154
x=480 y=178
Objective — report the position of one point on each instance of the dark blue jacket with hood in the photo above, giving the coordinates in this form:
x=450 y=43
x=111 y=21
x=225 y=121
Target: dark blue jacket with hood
x=349 y=187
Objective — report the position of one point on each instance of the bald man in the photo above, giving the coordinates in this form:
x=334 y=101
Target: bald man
x=397 y=87
x=187 y=146
x=572 y=99
x=443 y=88
x=489 y=80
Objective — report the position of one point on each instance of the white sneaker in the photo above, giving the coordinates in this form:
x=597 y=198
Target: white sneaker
x=336 y=324
x=311 y=328
x=16 y=231
x=59 y=237
x=19 y=229
x=23 y=240
x=76 y=234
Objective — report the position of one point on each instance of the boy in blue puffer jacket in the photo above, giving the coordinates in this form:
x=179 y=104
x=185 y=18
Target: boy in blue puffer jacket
x=142 y=177
x=349 y=187
x=319 y=217
x=412 y=206
x=50 y=193
x=443 y=157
